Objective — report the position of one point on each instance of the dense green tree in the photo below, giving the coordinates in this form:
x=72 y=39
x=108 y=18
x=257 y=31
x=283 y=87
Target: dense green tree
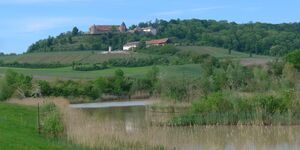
x=75 y=31
x=294 y=58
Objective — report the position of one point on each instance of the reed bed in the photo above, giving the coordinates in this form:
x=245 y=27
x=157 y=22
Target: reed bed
x=110 y=133
x=89 y=130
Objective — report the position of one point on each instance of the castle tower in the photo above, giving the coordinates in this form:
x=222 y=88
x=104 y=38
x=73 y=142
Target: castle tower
x=93 y=29
x=123 y=28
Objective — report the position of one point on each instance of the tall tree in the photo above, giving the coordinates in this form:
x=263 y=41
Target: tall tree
x=75 y=31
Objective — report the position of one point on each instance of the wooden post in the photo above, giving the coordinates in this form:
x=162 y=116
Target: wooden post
x=38 y=119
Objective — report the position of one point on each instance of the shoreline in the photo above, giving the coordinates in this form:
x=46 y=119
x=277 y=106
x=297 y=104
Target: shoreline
x=110 y=104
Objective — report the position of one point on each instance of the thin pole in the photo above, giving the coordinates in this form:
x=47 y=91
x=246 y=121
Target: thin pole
x=38 y=119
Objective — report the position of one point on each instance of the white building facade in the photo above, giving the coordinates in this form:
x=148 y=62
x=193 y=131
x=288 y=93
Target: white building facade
x=151 y=30
x=130 y=45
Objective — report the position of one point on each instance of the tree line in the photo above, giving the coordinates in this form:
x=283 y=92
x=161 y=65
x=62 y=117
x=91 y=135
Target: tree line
x=16 y=64
x=18 y=85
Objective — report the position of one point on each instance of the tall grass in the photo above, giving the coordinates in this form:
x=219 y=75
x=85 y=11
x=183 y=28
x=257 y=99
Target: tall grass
x=87 y=129
x=91 y=131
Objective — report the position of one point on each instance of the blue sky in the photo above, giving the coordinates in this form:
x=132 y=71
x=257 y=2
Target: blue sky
x=23 y=22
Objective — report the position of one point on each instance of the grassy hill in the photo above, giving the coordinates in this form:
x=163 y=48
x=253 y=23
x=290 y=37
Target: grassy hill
x=259 y=38
x=18 y=130
x=64 y=57
x=97 y=57
x=217 y=52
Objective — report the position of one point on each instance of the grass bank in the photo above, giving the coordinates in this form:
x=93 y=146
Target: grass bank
x=18 y=130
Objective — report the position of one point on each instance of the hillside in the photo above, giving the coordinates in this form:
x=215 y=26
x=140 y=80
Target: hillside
x=258 y=38
x=97 y=57
x=217 y=52
x=64 y=57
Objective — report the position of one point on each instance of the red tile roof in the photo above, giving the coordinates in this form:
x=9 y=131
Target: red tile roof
x=159 y=41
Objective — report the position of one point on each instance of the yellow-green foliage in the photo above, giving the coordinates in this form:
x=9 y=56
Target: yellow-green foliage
x=15 y=83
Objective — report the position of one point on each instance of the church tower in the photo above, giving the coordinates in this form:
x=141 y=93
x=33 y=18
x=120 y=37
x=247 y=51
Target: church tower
x=123 y=28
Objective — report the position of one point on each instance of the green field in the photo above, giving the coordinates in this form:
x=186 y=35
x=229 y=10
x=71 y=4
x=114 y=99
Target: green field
x=217 y=52
x=65 y=57
x=96 y=57
x=68 y=73
x=18 y=130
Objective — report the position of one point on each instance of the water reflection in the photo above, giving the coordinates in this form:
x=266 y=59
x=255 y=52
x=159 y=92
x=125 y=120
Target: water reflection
x=127 y=118
x=132 y=124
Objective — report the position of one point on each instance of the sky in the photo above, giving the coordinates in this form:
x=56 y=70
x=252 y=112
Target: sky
x=23 y=22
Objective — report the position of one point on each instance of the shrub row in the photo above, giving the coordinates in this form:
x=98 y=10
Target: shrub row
x=35 y=65
x=219 y=109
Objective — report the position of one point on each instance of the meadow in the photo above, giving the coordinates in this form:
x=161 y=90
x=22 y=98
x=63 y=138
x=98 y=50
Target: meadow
x=68 y=73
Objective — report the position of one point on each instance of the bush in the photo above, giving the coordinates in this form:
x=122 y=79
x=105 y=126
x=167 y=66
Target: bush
x=294 y=58
x=138 y=62
x=194 y=57
x=51 y=121
x=260 y=109
x=45 y=88
x=89 y=67
x=35 y=65
x=160 y=50
x=178 y=89
x=215 y=102
x=6 y=91
x=14 y=82
x=275 y=67
x=271 y=104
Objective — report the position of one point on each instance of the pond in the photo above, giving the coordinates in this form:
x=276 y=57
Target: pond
x=133 y=124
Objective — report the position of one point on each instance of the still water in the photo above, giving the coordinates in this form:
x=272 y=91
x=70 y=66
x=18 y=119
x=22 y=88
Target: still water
x=133 y=123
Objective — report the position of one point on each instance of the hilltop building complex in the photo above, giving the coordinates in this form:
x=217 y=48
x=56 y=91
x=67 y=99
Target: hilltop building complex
x=97 y=29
